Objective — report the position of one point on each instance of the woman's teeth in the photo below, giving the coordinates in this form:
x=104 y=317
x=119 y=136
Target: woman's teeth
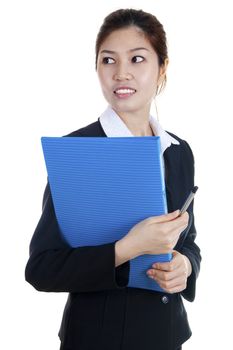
x=125 y=91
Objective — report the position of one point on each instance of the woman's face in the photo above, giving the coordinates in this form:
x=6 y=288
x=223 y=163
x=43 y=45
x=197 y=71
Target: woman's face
x=128 y=70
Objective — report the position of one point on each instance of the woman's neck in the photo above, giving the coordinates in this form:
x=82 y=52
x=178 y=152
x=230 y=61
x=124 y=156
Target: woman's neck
x=138 y=125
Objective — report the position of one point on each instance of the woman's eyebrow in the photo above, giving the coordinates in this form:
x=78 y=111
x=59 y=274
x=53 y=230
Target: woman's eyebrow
x=131 y=50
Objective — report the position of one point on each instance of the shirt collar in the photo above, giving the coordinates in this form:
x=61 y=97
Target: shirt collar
x=114 y=126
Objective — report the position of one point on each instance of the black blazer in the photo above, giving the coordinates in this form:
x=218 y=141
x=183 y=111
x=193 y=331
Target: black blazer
x=101 y=312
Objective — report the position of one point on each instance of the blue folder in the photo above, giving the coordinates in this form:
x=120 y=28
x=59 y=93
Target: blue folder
x=102 y=186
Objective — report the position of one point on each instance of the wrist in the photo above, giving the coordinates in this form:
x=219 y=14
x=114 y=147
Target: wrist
x=124 y=251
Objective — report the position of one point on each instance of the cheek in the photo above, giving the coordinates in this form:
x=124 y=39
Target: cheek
x=104 y=80
x=149 y=84
x=148 y=76
x=105 y=85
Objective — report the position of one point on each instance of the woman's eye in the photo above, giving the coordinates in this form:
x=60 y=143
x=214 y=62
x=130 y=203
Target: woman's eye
x=106 y=60
x=137 y=59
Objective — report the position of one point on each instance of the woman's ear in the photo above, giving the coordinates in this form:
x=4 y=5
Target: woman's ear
x=162 y=71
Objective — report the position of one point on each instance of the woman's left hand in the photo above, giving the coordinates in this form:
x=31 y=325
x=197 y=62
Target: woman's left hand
x=172 y=276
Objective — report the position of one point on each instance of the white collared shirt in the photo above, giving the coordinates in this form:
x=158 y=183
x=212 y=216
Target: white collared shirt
x=114 y=126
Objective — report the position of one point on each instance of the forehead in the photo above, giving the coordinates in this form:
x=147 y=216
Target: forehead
x=121 y=40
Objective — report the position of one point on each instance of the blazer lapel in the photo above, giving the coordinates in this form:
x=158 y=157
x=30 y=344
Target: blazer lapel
x=173 y=178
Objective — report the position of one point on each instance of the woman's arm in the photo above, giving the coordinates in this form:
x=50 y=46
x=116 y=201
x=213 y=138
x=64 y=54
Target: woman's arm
x=177 y=276
x=187 y=245
x=180 y=274
x=54 y=266
x=124 y=251
x=190 y=249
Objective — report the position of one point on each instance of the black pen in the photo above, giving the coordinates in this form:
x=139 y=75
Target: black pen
x=188 y=200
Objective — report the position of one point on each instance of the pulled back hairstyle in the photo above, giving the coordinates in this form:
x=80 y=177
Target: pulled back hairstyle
x=149 y=25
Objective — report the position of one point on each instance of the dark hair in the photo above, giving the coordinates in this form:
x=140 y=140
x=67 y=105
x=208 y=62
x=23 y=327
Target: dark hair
x=148 y=23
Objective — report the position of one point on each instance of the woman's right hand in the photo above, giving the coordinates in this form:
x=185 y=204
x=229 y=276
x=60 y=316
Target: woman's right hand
x=157 y=234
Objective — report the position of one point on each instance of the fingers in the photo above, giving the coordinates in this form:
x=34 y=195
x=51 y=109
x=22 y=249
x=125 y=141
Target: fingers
x=171 y=230
x=164 y=231
x=163 y=276
x=179 y=223
x=166 y=217
x=173 y=216
x=176 y=286
x=174 y=264
x=167 y=266
x=170 y=285
x=171 y=276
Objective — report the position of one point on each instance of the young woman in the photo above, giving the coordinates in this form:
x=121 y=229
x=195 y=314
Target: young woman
x=101 y=312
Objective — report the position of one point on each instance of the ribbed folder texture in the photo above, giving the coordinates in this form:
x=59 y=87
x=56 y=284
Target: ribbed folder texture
x=102 y=187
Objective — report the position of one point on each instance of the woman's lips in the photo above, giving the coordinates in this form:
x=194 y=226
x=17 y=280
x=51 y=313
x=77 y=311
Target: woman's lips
x=124 y=92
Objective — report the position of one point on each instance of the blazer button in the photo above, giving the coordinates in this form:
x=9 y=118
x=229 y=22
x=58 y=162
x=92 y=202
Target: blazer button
x=165 y=299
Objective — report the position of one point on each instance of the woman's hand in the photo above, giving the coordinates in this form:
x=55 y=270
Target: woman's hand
x=172 y=276
x=157 y=234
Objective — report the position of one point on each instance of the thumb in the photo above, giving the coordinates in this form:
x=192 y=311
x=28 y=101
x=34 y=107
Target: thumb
x=166 y=217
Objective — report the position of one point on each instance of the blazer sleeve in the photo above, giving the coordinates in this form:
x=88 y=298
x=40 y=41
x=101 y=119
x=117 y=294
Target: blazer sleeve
x=54 y=266
x=189 y=247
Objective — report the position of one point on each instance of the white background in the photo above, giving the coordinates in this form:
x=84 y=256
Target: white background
x=47 y=81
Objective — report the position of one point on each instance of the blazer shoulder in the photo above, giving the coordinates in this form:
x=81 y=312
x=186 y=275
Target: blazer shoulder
x=183 y=143
x=94 y=130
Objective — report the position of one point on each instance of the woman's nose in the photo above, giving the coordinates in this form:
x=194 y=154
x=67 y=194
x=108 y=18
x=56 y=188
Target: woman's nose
x=126 y=76
x=122 y=73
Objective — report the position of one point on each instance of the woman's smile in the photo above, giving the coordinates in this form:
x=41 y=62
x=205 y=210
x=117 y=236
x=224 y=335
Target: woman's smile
x=124 y=92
